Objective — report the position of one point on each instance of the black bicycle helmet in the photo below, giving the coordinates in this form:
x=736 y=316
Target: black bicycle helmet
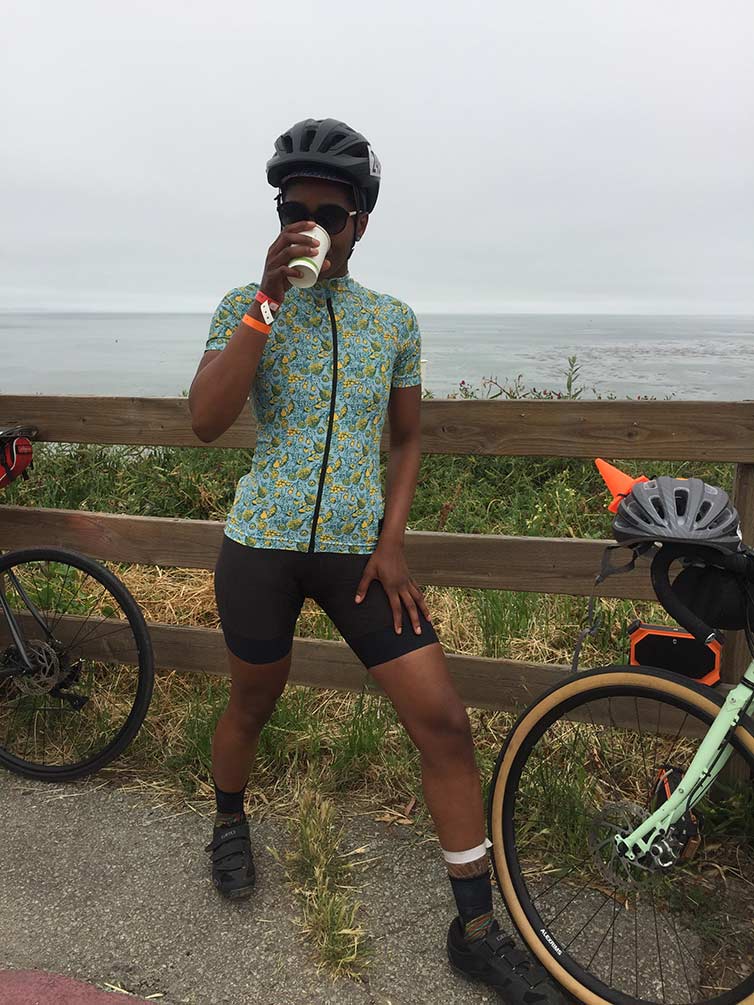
x=327 y=148
x=679 y=511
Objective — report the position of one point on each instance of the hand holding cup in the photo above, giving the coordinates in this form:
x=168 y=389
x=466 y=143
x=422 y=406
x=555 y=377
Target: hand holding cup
x=301 y=241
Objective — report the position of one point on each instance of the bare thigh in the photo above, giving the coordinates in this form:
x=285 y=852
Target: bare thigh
x=421 y=689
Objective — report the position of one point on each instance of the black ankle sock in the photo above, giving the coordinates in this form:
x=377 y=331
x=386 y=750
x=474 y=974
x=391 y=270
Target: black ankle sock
x=229 y=802
x=473 y=896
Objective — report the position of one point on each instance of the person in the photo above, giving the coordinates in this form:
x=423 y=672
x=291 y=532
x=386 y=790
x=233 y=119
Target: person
x=325 y=365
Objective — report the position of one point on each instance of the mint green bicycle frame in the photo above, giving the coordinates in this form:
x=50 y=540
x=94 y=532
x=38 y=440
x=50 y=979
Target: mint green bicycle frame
x=710 y=759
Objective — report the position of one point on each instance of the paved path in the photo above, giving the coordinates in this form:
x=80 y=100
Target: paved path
x=107 y=887
x=31 y=987
x=111 y=888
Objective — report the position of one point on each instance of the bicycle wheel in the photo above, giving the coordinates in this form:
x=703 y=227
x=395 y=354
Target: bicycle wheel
x=591 y=758
x=92 y=668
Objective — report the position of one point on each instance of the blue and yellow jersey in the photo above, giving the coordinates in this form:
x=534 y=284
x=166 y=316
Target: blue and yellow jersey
x=320 y=397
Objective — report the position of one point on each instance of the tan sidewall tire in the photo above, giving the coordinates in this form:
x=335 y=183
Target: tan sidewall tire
x=521 y=731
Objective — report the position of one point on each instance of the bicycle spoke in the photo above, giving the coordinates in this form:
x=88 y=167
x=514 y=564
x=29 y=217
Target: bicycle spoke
x=605 y=899
x=605 y=935
x=62 y=586
x=44 y=736
x=680 y=956
x=96 y=671
x=677 y=737
x=641 y=740
x=579 y=784
x=612 y=926
x=540 y=897
x=636 y=950
x=579 y=891
x=559 y=880
x=657 y=936
x=91 y=637
x=85 y=621
x=653 y=778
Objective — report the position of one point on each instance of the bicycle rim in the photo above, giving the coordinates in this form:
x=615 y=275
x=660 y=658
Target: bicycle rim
x=564 y=783
x=93 y=667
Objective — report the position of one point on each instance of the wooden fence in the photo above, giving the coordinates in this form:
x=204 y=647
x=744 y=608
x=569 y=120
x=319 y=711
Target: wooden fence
x=703 y=431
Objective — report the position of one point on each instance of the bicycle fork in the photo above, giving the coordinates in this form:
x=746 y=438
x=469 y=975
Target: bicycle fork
x=713 y=754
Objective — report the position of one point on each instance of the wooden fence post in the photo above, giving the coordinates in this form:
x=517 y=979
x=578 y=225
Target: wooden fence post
x=736 y=655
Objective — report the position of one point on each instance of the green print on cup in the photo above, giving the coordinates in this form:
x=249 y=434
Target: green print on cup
x=309 y=267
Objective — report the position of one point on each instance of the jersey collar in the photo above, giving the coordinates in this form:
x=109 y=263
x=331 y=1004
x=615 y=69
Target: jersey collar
x=326 y=287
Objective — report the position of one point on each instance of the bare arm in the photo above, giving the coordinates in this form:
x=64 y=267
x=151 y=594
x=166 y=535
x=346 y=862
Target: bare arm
x=403 y=461
x=223 y=380
x=224 y=377
x=388 y=563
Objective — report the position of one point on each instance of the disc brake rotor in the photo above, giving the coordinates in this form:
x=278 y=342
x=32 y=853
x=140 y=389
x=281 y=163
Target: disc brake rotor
x=612 y=819
x=48 y=671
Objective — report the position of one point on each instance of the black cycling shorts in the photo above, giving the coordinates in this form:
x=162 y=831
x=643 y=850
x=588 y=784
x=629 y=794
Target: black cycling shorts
x=260 y=592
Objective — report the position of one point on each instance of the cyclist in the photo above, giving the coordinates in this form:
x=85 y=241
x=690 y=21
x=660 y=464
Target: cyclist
x=324 y=366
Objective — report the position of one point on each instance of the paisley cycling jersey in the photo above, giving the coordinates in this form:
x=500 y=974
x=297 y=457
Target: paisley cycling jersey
x=320 y=396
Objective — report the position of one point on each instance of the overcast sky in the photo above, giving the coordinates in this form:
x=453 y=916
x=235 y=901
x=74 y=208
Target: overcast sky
x=544 y=156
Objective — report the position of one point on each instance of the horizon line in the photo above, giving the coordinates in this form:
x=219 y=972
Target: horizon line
x=615 y=312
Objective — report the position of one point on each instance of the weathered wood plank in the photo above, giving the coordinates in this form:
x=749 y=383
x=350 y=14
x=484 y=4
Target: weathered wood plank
x=482 y=683
x=736 y=655
x=659 y=430
x=498 y=685
x=475 y=561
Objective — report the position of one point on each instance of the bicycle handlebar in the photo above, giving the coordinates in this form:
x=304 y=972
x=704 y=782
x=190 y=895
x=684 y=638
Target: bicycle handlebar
x=740 y=564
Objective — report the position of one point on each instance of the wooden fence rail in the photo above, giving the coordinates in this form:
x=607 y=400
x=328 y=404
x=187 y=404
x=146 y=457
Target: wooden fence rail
x=703 y=431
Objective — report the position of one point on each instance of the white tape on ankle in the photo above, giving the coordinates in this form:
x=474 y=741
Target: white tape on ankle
x=462 y=857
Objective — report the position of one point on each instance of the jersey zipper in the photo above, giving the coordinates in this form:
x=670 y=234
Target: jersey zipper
x=325 y=456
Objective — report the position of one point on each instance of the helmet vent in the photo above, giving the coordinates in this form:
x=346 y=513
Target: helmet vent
x=703 y=510
x=657 y=503
x=681 y=498
x=287 y=143
x=332 y=140
x=306 y=139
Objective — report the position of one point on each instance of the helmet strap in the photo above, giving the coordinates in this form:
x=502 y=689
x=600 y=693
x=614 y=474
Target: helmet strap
x=607 y=569
x=360 y=208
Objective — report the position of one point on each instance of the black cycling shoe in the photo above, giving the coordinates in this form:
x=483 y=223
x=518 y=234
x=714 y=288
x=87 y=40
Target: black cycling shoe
x=495 y=961
x=232 y=862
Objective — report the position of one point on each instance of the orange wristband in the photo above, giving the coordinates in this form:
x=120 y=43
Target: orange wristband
x=256 y=325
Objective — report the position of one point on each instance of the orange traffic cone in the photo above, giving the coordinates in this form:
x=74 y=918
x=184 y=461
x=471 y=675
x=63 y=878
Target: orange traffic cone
x=617 y=481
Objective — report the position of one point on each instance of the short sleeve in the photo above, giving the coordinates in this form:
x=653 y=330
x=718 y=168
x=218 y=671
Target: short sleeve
x=407 y=367
x=227 y=316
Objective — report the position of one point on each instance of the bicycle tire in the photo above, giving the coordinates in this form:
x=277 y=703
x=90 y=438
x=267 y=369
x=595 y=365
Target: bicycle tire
x=143 y=696
x=703 y=701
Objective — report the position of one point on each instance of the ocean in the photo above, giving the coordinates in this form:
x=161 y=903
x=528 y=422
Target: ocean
x=627 y=355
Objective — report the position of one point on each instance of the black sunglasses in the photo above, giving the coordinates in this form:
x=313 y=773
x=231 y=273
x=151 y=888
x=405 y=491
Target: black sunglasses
x=331 y=217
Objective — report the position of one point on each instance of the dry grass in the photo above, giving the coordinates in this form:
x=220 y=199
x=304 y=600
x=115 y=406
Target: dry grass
x=354 y=741
x=321 y=745
x=322 y=876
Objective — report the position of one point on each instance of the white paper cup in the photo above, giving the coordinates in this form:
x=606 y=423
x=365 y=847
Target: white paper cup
x=309 y=267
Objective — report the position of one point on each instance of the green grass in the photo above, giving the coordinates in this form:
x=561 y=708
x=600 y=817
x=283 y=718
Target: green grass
x=322 y=876
x=353 y=744
x=541 y=496
x=356 y=741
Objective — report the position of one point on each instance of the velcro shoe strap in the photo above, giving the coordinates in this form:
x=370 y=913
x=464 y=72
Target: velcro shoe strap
x=520 y=962
x=229 y=842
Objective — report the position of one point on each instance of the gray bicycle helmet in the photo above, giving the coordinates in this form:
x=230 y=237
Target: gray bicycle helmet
x=679 y=511
x=327 y=148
